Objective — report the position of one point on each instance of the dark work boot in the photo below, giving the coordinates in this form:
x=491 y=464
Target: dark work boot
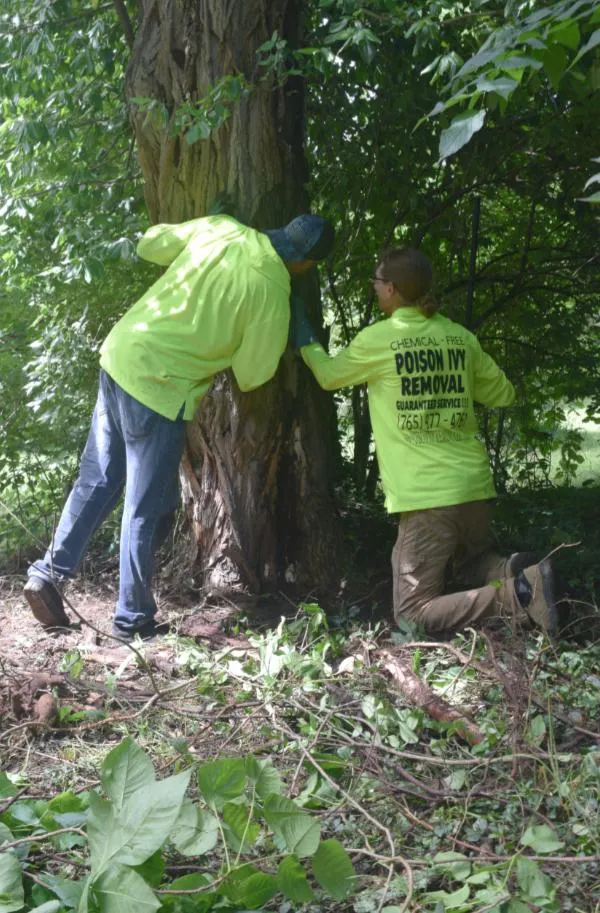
x=148 y=631
x=46 y=603
x=534 y=589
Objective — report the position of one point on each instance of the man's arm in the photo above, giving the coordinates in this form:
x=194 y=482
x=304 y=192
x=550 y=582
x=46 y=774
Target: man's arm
x=256 y=360
x=350 y=366
x=163 y=243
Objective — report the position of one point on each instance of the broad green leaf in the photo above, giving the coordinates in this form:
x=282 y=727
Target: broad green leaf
x=448 y=900
x=144 y=823
x=536 y=887
x=333 y=869
x=555 y=62
x=293 y=881
x=263 y=775
x=460 y=131
x=12 y=896
x=51 y=906
x=298 y=830
x=222 y=780
x=566 y=33
x=502 y=85
x=6 y=787
x=68 y=892
x=190 y=882
x=242 y=833
x=249 y=887
x=195 y=831
x=592 y=42
x=594 y=198
x=456 y=864
x=120 y=890
x=152 y=870
x=126 y=769
x=541 y=839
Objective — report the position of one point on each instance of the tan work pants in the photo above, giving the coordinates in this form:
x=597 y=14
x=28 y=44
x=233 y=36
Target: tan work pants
x=429 y=543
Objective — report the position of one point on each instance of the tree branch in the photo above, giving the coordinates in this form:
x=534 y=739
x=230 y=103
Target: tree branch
x=125 y=21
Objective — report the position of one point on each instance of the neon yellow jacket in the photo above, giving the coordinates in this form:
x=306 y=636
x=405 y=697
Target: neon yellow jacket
x=423 y=375
x=223 y=302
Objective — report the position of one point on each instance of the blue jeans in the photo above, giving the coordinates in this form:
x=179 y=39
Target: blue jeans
x=129 y=447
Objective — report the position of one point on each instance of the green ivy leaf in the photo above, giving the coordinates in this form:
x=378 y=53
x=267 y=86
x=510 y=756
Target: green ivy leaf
x=263 y=775
x=249 y=887
x=195 y=831
x=541 y=839
x=298 y=830
x=12 y=896
x=536 y=887
x=125 y=770
x=241 y=832
x=120 y=890
x=222 y=780
x=333 y=869
x=293 y=881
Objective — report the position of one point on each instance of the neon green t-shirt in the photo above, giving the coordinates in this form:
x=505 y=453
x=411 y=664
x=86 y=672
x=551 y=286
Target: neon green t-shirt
x=222 y=303
x=423 y=375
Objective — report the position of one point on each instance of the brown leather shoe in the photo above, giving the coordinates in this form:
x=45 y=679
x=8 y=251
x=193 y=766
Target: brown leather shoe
x=46 y=603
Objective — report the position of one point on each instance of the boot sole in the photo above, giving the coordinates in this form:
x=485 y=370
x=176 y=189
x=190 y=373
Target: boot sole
x=48 y=617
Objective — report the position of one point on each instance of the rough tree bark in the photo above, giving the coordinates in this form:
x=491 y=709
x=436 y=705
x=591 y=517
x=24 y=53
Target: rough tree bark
x=258 y=467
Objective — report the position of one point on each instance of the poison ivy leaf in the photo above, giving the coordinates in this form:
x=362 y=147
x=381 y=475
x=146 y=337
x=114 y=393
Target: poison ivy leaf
x=333 y=869
x=537 y=729
x=120 y=890
x=152 y=870
x=195 y=831
x=536 y=887
x=460 y=131
x=456 y=864
x=222 y=780
x=126 y=769
x=293 y=881
x=263 y=775
x=6 y=787
x=541 y=839
x=298 y=830
x=12 y=896
x=250 y=887
x=68 y=892
x=448 y=900
x=242 y=833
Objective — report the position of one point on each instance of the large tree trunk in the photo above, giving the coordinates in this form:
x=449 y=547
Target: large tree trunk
x=258 y=466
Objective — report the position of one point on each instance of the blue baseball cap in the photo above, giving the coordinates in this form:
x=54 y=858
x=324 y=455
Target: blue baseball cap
x=307 y=237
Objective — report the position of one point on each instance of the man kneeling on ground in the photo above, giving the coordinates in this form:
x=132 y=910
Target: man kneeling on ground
x=424 y=373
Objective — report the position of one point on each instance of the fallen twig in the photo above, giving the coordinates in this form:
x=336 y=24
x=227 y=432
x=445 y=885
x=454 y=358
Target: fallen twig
x=421 y=695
